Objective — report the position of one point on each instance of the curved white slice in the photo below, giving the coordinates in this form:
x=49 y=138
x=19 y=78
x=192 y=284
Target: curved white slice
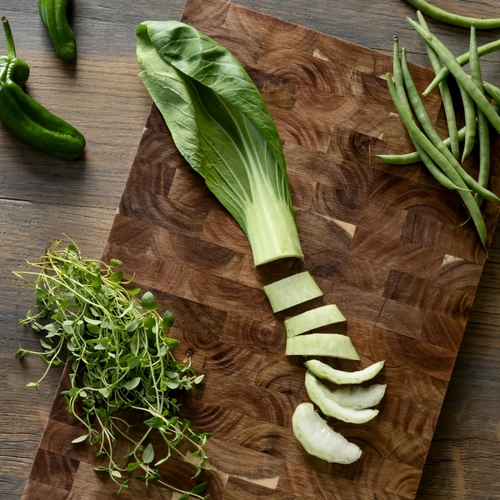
x=326 y=372
x=321 y=344
x=319 y=439
x=357 y=396
x=319 y=394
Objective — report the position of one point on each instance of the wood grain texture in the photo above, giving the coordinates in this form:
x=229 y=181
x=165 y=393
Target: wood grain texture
x=384 y=244
x=41 y=198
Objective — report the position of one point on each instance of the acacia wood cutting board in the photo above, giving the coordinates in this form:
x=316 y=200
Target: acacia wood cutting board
x=384 y=243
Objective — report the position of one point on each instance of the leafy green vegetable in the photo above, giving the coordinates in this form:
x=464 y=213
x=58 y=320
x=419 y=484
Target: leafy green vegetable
x=121 y=359
x=221 y=125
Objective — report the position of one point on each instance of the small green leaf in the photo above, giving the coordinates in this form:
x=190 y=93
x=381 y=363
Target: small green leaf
x=133 y=465
x=199 y=488
x=168 y=320
x=155 y=422
x=20 y=353
x=116 y=277
x=80 y=439
x=116 y=473
x=148 y=454
x=115 y=263
x=184 y=496
x=132 y=384
x=32 y=384
x=148 y=302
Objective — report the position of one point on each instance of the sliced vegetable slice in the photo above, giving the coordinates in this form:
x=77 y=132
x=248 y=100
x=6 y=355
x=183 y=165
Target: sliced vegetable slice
x=291 y=291
x=313 y=319
x=321 y=344
x=326 y=372
x=319 y=439
x=357 y=397
x=321 y=395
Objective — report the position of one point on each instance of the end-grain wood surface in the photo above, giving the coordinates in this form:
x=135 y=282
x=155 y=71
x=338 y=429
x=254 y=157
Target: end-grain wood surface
x=42 y=198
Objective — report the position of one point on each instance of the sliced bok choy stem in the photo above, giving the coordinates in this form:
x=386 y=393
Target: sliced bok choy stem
x=357 y=397
x=313 y=319
x=319 y=439
x=326 y=372
x=321 y=344
x=292 y=291
x=321 y=396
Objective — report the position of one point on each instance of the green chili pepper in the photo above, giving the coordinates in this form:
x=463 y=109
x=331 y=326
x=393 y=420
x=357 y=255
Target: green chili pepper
x=25 y=117
x=54 y=17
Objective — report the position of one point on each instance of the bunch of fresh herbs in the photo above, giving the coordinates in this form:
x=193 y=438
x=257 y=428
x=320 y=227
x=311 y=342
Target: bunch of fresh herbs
x=120 y=358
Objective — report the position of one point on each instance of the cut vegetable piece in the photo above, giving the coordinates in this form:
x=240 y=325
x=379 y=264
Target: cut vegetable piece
x=326 y=372
x=319 y=439
x=312 y=319
x=321 y=395
x=357 y=397
x=292 y=291
x=321 y=344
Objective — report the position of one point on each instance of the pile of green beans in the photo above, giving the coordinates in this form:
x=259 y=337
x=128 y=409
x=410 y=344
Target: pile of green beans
x=442 y=157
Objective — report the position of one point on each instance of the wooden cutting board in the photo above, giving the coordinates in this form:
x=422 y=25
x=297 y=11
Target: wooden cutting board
x=384 y=243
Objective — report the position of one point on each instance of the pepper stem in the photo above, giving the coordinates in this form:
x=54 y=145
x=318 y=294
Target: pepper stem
x=11 y=48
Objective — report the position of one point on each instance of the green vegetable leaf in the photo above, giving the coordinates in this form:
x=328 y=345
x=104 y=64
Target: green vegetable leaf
x=221 y=125
x=132 y=384
x=148 y=454
x=148 y=302
x=80 y=439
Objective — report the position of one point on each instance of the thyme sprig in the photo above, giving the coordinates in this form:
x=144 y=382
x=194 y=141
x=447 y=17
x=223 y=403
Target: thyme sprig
x=121 y=360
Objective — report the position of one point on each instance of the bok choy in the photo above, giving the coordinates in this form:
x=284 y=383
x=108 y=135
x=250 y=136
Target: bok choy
x=222 y=127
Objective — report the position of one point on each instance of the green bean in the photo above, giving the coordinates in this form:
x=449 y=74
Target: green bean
x=403 y=99
x=448 y=106
x=414 y=157
x=462 y=59
x=428 y=127
x=470 y=121
x=425 y=143
x=454 y=19
x=492 y=90
x=456 y=70
x=482 y=121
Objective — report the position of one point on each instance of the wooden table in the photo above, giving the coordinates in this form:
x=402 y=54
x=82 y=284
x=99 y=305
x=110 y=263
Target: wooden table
x=41 y=198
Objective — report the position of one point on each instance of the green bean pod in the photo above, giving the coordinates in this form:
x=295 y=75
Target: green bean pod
x=413 y=131
x=482 y=121
x=462 y=59
x=413 y=156
x=435 y=139
x=448 y=106
x=439 y=159
x=454 y=19
x=54 y=17
x=456 y=70
x=28 y=119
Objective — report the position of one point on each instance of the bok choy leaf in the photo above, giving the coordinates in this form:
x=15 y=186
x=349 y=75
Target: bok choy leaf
x=222 y=127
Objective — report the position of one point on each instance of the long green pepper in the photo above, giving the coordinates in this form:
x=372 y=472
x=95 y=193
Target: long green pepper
x=54 y=17
x=25 y=117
